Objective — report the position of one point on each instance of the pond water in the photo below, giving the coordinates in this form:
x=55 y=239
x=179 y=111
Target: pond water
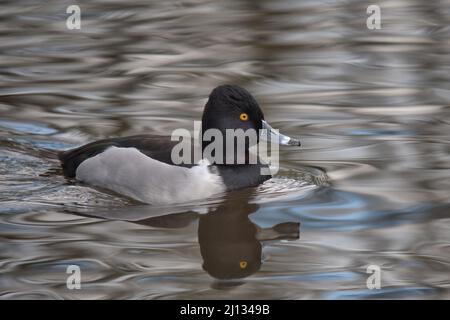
x=369 y=186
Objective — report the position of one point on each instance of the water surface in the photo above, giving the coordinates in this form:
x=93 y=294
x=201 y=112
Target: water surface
x=370 y=185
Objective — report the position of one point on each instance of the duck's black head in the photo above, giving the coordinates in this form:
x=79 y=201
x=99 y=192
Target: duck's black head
x=231 y=107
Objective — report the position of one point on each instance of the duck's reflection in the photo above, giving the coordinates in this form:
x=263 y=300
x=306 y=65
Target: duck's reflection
x=230 y=243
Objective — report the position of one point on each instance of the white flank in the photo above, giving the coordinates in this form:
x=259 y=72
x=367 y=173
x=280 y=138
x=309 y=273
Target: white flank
x=129 y=172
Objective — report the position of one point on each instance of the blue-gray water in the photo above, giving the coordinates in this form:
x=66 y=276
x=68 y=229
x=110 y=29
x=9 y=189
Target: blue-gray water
x=370 y=185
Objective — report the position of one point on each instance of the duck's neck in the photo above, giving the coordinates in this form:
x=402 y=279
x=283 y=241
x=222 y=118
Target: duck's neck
x=229 y=156
x=245 y=170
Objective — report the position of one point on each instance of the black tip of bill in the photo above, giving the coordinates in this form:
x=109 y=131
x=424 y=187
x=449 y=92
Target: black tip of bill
x=294 y=142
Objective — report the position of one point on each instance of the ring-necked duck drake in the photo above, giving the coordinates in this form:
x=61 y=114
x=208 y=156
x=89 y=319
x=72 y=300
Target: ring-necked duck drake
x=141 y=167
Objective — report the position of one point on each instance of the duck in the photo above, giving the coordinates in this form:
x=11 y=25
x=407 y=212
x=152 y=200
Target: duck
x=142 y=167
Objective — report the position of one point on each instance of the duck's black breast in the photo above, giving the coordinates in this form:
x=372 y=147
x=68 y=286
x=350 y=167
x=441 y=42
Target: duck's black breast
x=156 y=147
x=242 y=175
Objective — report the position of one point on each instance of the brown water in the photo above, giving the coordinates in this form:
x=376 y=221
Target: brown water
x=370 y=185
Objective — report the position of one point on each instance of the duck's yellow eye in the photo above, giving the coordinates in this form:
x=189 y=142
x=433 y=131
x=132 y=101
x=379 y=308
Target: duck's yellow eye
x=243 y=264
x=243 y=117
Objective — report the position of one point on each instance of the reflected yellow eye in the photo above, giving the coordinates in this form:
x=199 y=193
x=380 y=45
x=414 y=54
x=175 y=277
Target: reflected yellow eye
x=243 y=264
x=243 y=117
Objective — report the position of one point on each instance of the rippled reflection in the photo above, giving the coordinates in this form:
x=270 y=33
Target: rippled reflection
x=230 y=243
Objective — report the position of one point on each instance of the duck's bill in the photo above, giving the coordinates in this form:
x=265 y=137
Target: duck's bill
x=272 y=135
